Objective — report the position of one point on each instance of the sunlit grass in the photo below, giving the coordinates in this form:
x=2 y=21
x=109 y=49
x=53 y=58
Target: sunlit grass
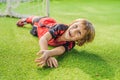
x=98 y=60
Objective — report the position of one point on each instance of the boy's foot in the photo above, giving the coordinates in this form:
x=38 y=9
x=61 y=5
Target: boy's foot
x=21 y=23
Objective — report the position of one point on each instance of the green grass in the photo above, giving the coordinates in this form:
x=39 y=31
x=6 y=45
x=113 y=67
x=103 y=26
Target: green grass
x=99 y=60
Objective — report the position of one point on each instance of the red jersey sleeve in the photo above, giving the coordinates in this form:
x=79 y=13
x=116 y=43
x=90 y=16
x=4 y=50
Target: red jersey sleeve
x=58 y=30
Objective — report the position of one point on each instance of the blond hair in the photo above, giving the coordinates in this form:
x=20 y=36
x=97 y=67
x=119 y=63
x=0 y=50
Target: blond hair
x=89 y=36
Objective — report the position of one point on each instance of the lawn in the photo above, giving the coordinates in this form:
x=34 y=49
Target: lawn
x=99 y=60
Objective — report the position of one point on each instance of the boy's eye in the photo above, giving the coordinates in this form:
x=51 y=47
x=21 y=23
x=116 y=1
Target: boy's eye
x=79 y=32
x=75 y=26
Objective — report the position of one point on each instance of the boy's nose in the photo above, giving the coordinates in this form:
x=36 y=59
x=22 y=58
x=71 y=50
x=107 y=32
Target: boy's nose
x=74 y=31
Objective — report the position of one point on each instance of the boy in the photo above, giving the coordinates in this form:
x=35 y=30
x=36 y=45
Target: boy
x=63 y=37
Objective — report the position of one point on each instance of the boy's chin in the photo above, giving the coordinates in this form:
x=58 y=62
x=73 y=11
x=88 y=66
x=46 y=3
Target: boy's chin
x=68 y=38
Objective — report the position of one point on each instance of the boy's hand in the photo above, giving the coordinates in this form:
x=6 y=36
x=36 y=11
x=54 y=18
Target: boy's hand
x=42 y=60
x=52 y=62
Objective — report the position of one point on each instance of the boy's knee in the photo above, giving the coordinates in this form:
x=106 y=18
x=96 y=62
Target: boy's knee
x=34 y=31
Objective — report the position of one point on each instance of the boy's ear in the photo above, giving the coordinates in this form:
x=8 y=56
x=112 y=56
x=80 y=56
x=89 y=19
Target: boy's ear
x=80 y=42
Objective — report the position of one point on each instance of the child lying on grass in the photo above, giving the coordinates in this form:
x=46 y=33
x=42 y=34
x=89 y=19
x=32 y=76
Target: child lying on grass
x=63 y=37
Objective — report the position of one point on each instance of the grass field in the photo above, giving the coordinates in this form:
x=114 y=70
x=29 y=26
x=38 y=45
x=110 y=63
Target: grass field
x=99 y=60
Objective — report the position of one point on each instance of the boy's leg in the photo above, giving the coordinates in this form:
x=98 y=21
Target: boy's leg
x=34 y=31
x=29 y=20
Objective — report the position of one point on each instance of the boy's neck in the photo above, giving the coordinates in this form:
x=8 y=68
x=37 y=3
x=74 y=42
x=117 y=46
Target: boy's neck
x=61 y=38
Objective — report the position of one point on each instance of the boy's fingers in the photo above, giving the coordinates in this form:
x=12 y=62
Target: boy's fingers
x=55 y=63
x=52 y=62
x=38 y=53
x=48 y=63
x=38 y=60
x=41 y=64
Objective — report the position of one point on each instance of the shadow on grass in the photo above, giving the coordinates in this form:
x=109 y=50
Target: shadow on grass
x=90 y=63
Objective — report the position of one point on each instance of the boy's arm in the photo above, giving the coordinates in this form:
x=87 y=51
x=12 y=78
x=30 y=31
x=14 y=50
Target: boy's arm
x=55 y=51
x=43 y=42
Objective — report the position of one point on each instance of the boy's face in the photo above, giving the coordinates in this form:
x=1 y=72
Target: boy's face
x=75 y=32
